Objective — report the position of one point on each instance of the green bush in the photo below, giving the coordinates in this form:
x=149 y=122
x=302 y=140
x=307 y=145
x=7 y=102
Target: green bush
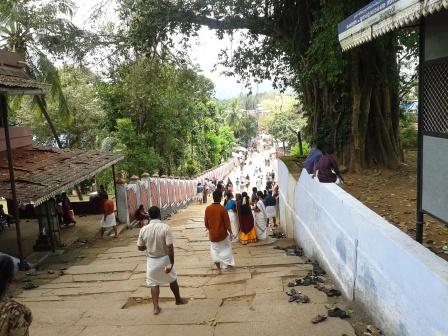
x=295 y=150
x=408 y=133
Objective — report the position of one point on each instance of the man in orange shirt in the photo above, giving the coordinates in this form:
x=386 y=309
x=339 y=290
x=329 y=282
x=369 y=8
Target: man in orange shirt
x=217 y=223
x=108 y=219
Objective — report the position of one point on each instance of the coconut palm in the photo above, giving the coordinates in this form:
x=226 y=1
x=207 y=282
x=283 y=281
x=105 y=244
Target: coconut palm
x=42 y=31
x=235 y=117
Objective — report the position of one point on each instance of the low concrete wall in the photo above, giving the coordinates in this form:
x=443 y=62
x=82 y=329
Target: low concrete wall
x=401 y=284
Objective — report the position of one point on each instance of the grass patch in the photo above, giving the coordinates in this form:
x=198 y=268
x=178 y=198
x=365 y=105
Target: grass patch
x=294 y=163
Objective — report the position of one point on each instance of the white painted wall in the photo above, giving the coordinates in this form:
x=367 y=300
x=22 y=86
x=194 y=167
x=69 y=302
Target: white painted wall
x=401 y=284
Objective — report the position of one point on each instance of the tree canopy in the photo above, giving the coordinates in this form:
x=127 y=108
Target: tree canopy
x=151 y=103
x=351 y=99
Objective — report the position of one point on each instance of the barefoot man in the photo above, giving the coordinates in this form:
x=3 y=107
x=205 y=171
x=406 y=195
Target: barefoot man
x=157 y=240
x=217 y=223
x=108 y=220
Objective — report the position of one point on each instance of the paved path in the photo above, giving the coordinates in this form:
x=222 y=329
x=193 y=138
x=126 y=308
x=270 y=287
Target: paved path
x=105 y=293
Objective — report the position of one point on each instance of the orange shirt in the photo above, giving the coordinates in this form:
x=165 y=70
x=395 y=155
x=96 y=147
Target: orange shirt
x=109 y=207
x=217 y=222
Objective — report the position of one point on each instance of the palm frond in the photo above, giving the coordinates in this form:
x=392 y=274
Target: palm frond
x=48 y=73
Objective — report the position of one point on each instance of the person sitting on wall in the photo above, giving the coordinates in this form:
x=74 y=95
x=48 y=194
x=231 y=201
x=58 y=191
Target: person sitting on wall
x=313 y=158
x=141 y=215
x=328 y=168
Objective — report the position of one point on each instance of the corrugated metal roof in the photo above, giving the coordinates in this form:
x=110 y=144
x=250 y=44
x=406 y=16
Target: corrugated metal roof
x=365 y=25
x=43 y=172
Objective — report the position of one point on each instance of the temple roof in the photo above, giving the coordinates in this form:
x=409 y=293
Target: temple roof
x=13 y=76
x=43 y=172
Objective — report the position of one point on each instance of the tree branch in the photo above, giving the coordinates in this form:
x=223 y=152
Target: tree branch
x=256 y=25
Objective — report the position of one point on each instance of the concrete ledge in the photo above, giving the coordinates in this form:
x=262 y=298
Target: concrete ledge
x=402 y=285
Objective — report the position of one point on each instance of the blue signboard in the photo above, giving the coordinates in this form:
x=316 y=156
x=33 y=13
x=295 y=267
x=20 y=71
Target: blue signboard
x=365 y=13
x=379 y=15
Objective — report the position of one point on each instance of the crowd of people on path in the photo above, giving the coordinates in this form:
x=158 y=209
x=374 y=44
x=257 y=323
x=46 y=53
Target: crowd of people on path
x=241 y=218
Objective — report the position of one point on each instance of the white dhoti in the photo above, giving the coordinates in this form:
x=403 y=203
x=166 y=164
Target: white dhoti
x=270 y=211
x=109 y=221
x=221 y=252
x=155 y=271
x=260 y=226
x=234 y=225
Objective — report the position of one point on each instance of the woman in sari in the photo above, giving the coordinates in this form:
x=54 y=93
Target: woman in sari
x=68 y=214
x=15 y=318
x=247 y=229
x=260 y=217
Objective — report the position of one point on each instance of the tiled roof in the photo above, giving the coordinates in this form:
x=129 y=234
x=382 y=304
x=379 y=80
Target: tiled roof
x=43 y=172
x=19 y=83
x=13 y=77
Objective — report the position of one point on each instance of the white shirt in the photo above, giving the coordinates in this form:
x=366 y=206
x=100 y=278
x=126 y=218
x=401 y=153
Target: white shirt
x=155 y=236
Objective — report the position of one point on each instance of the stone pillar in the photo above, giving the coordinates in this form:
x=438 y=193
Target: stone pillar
x=122 y=202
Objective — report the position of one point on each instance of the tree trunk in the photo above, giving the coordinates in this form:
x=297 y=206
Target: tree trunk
x=355 y=151
x=40 y=100
x=364 y=128
x=78 y=192
x=299 y=139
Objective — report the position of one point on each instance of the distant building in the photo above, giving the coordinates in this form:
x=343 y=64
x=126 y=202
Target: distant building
x=409 y=107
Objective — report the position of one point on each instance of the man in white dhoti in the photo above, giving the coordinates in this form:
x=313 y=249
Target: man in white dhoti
x=108 y=220
x=157 y=240
x=271 y=208
x=217 y=222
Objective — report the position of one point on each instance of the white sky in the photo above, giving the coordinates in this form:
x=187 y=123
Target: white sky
x=204 y=52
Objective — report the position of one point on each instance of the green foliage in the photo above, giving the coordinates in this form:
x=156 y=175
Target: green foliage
x=324 y=59
x=172 y=111
x=41 y=31
x=292 y=43
x=278 y=128
x=243 y=125
x=408 y=54
x=228 y=140
x=285 y=124
x=250 y=129
x=295 y=149
x=83 y=126
x=408 y=132
x=139 y=158
x=105 y=178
